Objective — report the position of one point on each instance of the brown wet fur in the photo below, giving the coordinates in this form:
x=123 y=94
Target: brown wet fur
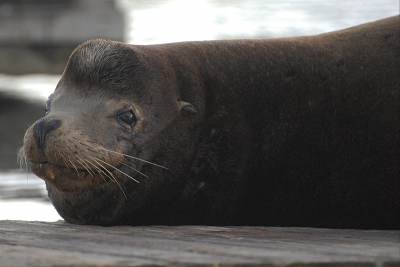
x=297 y=131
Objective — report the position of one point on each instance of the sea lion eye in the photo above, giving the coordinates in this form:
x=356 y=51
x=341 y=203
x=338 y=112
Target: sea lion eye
x=128 y=117
x=47 y=107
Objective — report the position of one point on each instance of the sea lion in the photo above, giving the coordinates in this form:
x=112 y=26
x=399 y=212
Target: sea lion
x=297 y=131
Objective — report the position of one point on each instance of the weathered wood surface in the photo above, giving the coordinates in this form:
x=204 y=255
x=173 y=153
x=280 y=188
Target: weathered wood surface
x=62 y=244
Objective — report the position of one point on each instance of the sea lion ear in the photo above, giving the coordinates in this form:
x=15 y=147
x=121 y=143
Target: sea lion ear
x=186 y=106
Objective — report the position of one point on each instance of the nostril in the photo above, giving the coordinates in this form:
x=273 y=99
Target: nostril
x=42 y=128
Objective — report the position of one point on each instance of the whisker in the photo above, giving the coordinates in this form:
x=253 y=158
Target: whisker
x=26 y=163
x=101 y=174
x=134 y=158
x=73 y=165
x=116 y=181
x=84 y=165
x=21 y=158
x=117 y=169
x=22 y=162
x=102 y=168
x=92 y=149
x=99 y=170
x=65 y=160
x=135 y=170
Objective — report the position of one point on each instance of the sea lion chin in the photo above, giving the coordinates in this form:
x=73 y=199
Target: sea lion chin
x=297 y=131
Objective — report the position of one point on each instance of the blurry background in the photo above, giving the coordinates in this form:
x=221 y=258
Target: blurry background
x=37 y=36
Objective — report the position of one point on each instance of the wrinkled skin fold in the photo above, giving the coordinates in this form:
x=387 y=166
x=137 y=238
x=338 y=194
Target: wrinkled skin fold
x=297 y=131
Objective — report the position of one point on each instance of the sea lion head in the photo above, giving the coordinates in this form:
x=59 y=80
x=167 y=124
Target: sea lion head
x=115 y=135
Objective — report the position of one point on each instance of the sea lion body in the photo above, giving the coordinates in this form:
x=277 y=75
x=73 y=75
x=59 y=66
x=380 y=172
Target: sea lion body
x=297 y=131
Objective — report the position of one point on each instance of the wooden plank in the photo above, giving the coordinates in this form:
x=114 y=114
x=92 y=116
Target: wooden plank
x=62 y=244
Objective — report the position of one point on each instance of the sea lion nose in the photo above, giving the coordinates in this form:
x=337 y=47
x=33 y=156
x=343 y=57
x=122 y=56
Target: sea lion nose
x=42 y=128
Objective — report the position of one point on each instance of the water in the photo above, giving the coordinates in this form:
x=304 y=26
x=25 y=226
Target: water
x=150 y=22
x=23 y=196
x=31 y=88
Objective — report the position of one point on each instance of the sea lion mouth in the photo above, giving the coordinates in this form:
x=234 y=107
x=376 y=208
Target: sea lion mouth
x=79 y=171
x=70 y=178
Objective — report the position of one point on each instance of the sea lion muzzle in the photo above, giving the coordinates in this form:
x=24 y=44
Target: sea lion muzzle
x=42 y=128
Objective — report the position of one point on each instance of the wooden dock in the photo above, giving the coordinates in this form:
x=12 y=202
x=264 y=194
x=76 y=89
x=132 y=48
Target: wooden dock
x=61 y=244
